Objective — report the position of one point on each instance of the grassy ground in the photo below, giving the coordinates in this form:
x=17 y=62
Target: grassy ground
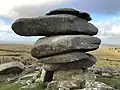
x=8 y=86
x=114 y=82
x=106 y=56
x=16 y=52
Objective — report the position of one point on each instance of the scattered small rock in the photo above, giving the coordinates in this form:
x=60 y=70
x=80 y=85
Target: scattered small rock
x=11 y=68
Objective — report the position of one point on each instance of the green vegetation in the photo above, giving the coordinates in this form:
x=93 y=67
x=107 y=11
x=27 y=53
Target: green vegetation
x=7 y=86
x=114 y=82
x=106 y=56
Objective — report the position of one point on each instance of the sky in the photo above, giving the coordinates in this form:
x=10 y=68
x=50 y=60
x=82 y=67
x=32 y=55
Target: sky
x=105 y=16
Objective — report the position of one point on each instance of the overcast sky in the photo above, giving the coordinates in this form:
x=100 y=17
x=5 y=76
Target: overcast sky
x=105 y=15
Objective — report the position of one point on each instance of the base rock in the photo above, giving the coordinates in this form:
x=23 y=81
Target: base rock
x=65 y=58
x=65 y=85
x=72 y=65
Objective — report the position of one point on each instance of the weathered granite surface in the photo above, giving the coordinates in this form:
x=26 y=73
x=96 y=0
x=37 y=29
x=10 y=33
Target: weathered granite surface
x=11 y=68
x=65 y=58
x=50 y=25
x=70 y=11
x=55 y=45
x=66 y=85
x=72 y=65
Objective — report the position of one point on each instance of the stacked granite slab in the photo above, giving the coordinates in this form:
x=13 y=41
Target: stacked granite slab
x=69 y=36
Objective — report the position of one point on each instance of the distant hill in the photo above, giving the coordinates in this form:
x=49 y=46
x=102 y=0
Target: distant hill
x=16 y=42
x=108 y=55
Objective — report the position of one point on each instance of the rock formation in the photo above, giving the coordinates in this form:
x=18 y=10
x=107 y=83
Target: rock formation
x=11 y=68
x=69 y=36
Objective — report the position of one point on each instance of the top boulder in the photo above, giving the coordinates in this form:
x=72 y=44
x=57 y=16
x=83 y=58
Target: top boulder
x=82 y=15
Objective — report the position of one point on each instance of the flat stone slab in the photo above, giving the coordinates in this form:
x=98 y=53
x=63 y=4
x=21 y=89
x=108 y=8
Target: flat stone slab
x=66 y=85
x=65 y=58
x=97 y=86
x=72 y=65
x=70 y=11
x=11 y=68
x=55 y=45
x=50 y=25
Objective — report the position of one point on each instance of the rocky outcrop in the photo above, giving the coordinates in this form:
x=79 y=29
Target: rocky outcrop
x=11 y=68
x=105 y=71
x=97 y=86
x=69 y=36
x=74 y=85
x=65 y=85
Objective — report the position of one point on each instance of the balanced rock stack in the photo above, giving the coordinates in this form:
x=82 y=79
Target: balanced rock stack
x=69 y=36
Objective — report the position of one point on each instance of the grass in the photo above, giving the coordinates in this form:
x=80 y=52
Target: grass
x=7 y=86
x=10 y=55
x=113 y=82
x=106 y=56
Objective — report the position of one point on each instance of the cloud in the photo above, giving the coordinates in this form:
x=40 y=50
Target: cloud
x=98 y=6
x=109 y=30
x=108 y=27
x=7 y=34
x=26 y=8
x=30 y=8
x=4 y=27
x=12 y=37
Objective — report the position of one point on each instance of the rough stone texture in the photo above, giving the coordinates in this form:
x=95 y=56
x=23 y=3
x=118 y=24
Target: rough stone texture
x=30 y=86
x=70 y=11
x=75 y=84
x=73 y=65
x=65 y=85
x=105 y=69
x=65 y=58
x=63 y=44
x=74 y=74
x=11 y=68
x=46 y=76
x=97 y=86
x=53 y=25
x=32 y=68
x=30 y=75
